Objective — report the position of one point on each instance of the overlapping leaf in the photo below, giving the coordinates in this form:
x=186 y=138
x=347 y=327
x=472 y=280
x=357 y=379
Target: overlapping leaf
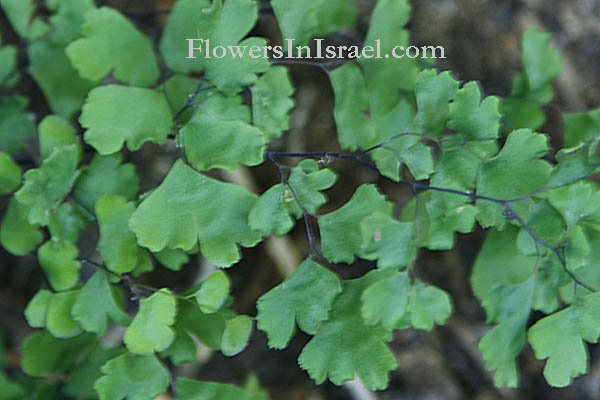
x=182 y=212
x=112 y=43
x=305 y=298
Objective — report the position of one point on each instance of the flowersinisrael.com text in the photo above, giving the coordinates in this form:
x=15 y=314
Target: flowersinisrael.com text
x=201 y=48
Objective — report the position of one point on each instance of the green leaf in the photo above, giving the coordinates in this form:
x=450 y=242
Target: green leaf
x=433 y=93
x=208 y=328
x=355 y=129
x=117 y=243
x=219 y=135
x=578 y=203
x=189 y=389
x=67 y=222
x=96 y=303
x=213 y=292
x=62 y=85
x=386 y=301
x=388 y=241
x=574 y=164
x=304 y=297
x=16 y=125
x=151 y=330
x=503 y=280
x=474 y=120
x=132 y=377
x=68 y=19
x=182 y=349
x=223 y=25
x=45 y=187
x=581 y=126
x=81 y=381
x=8 y=66
x=20 y=13
x=546 y=223
x=516 y=171
x=43 y=354
x=345 y=345
x=59 y=321
x=54 y=132
x=112 y=43
x=501 y=346
x=194 y=216
x=340 y=233
x=109 y=126
x=106 y=176
x=10 y=390
x=273 y=211
x=173 y=259
x=542 y=64
x=560 y=338
x=271 y=102
x=37 y=309
x=17 y=235
x=428 y=306
x=10 y=174
x=58 y=258
x=302 y=21
x=236 y=335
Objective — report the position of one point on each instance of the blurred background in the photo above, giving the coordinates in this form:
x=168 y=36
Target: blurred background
x=482 y=42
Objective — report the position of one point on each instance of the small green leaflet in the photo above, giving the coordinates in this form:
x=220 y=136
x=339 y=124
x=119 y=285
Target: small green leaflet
x=341 y=240
x=62 y=85
x=388 y=241
x=223 y=25
x=116 y=114
x=58 y=259
x=219 y=135
x=44 y=188
x=274 y=210
x=428 y=306
x=96 y=303
x=516 y=171
x=433 y=93
x=112 y=43
x=55 y=131
x=271 y=102
x=560 y=338
x=192 y=215
x=385 y=302
x=133 y=378
x=151 y=330
x=542 y=64
x=16 y=125
x=117 y=243
x=67 y=222
x=106 y=176
x=53 y=311
x=581 y=126
x=8 y=63
x=305 y=298
x=17 y=235
x=303 y=20
x=43 y=354
x=236 y=335
x=10 y=174
x=345 y=345
x=213 y=292
x=470 y=118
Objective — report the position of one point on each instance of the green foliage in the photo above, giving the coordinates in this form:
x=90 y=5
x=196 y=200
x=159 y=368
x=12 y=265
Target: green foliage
x=108 y=127
x=193 y=217
x=469 y=159
x=111 y=42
